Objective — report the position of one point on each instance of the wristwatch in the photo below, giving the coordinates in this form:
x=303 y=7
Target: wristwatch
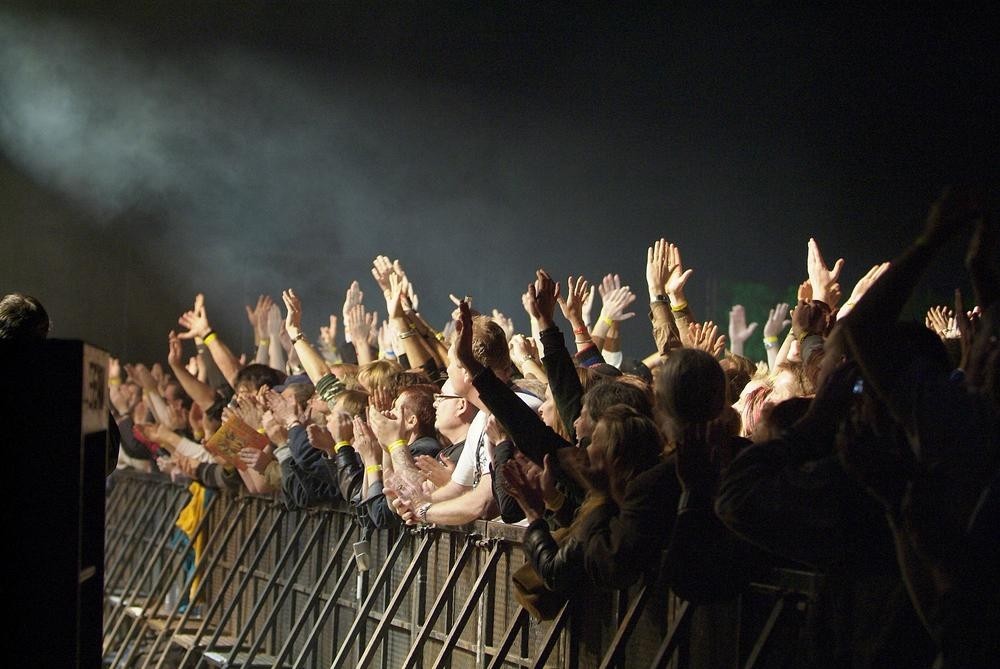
x=422 y=512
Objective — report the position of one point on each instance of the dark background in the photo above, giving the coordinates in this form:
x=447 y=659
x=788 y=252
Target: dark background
x=150 y=150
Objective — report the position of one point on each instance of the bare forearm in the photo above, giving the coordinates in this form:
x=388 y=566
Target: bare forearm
x=224 y=359
x=311 y=359
x=201 y=393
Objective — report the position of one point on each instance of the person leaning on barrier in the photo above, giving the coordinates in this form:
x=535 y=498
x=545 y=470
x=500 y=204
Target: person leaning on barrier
x=624 y=443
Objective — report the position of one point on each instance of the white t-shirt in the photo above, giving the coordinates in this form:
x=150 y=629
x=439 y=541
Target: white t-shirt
x=477 y=443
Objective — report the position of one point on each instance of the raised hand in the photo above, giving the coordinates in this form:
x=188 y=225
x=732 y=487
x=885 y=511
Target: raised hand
x=328 y=335
x=356 y=324
x=506 y=324
x=141 y=375
x=273 y=322
x=371 y=322
x=293 y=319
x=678 y=277
x=320 y=438
x=456 y=301
x=195 y=321
x=463 y=340
x=543 y=295
x=941 y=321
x=436 y=470
x=283 y=408
x=777 y=320
x=382 y=270
x=705 y=336
x=114 y=369
x=352 y=298
x=175 y=356
x=657 y=268
x=365 y=442
x=861 y=287
x=341 y=426
x=526 y=491
x=274 y=428
x=249 y=409
x=810 y=318
x=523 y=349
x=386 y=425
x=258 y=316
x=616 y=301
x=393 y=298
x=739 y=331
x=821 y=278
x=572 y=304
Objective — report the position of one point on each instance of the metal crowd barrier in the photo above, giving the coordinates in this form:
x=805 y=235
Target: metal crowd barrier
x=279 y=588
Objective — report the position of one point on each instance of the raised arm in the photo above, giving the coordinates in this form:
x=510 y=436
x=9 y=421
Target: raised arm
x=311 y=359
x=196 y=324
x=201 y=393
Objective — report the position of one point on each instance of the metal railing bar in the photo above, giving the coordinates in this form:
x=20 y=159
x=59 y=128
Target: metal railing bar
x=158 y=592
x=510 y=636
x=444 y=595
x=416 y=562
x=220 y=627
x=360 y=618
x=469 y=606
x=765 y=633
x=203 y=568
x=551 y=636
x=261 y=602
x=625 y=627
x=679 y=627
x=303 y=558
x=315 y=594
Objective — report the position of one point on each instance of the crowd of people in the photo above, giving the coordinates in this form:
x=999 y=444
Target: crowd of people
x=864 y=447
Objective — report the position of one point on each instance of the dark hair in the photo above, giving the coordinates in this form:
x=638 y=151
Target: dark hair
x=302 y=392
x=691 y=387
x=258 y=375
x=627 y=390
x=419 y=400
x=738 y=370
x=23 y=318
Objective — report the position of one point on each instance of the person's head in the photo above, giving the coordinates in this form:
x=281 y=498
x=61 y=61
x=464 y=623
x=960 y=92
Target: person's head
x=418 y=402
x=378 y=374
x=353 y=402
x=250 y=379
x=347 y=373
x=738 y=370
x=23 y=318
x=300 y=393
x=776 y=418
x=690 y=388
x=452 y=413
x=628 y=390
x=179 y=404
x=624 y=443
x=489 y=348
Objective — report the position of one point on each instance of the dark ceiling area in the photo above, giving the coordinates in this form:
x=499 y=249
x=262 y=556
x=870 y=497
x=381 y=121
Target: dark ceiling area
x=152 y=150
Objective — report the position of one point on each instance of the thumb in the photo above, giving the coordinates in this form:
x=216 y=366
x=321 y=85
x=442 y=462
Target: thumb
x=751 y=329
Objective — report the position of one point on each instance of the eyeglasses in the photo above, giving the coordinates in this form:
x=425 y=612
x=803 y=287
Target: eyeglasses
x=438 y=397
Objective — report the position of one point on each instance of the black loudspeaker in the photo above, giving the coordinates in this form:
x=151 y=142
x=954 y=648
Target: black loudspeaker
x=54 y=425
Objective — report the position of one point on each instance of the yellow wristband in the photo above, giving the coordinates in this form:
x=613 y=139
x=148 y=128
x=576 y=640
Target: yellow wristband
x=373 y=468
x=680 y=306
x=607 y=321
x=211 y=336
x=114 y=382
x=770 y=340
x=263 y=342
x=339 y=445
x=262 y=430
x=399 y=443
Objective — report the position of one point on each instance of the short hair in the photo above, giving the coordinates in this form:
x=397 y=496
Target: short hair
x=354 y=402
x=379 y=374
x=302 y=392
x=258 y=375
x=691 y=387
x=347 y=373
x=23 y=318
x=489 y=345
x=419 y=400
x=627 y=390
